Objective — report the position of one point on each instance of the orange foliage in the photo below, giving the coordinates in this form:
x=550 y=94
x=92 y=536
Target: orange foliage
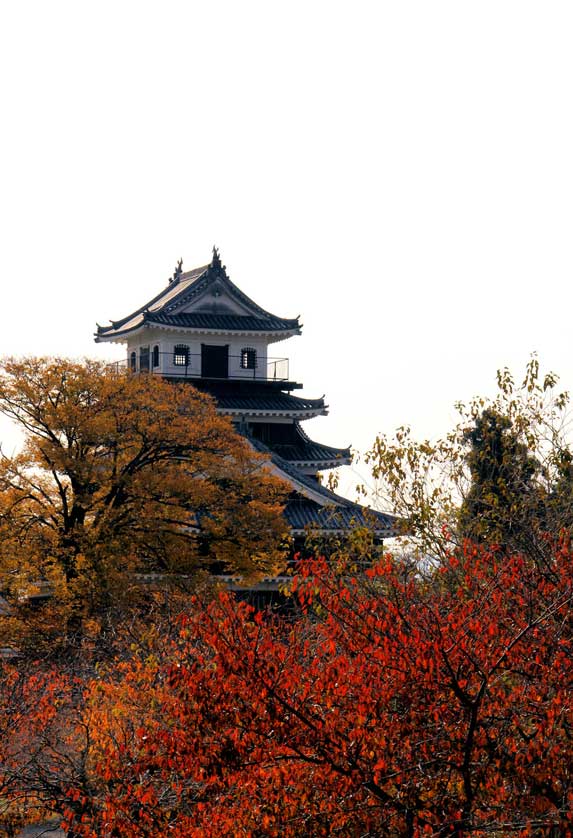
x=118 y=475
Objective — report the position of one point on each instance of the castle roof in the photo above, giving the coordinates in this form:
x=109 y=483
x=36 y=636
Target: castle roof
x=313 y=506
x=303 y=515
x=204 y=300
x=305 y=453
x=269 y=404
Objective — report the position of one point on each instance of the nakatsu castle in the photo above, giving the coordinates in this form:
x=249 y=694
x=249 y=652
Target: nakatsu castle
x=202 y=329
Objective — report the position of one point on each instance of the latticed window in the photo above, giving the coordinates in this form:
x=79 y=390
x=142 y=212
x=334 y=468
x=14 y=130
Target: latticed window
x=181 y=355
x=144 y=358
x=248 y=358
x=133 y=362
x=155 y=356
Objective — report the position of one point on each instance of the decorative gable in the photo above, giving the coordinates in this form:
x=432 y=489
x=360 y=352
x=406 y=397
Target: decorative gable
x=203 y=300
x=216 y=299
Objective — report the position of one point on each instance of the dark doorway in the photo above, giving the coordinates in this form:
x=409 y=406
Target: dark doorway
x=214 y=361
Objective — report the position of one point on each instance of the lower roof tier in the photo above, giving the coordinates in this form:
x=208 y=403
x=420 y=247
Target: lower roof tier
x=269 y=404
x=291 y=443
x=312 y=506
x=304 y=516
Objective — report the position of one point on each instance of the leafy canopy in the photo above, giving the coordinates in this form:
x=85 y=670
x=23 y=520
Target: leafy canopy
x=124 y=474
x=394 y=707
x=502 y=475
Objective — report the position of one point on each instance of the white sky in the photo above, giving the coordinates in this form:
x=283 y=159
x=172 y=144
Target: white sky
x=399 y=173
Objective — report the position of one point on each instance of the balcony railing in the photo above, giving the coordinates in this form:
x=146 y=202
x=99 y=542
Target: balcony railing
x=179 y=364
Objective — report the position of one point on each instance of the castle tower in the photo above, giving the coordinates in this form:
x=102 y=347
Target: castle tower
x=203 y=329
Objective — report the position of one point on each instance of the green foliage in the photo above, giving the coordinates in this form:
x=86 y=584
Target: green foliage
x=503 y=474
x=503 y=495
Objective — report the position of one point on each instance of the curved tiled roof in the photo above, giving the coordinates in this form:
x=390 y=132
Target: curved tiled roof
x=306 y=451
x=158 y=302
x=316 y=506
x=302 y=514
x=222 y=322
x=183 y=289
x=277 y=403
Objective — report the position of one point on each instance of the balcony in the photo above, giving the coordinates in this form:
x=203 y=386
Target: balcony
x=218 y=364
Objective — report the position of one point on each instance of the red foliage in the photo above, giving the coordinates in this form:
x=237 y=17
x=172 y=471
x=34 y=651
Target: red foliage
x=42 y=742
x=395 y=706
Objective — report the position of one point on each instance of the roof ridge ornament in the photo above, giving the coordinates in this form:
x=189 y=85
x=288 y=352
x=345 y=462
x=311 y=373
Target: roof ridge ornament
x=177 y=272
x=216 y=267
x=180 y=297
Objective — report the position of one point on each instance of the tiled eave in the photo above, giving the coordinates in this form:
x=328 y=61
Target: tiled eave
x=327 y=512
x=268 y=403
x=223 y=322
x=121 y=335
x=336 y=519
x=165 y=310
x=168 y=293
x=301 y=413
x=326 y=531
x=332 y=462
x=203 y=330
x=303 y=452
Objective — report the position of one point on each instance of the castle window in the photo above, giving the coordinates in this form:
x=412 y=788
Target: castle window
x=155 y=357
x=181 y=355
x=133 y=362
x=144 y=359
x=248 y=358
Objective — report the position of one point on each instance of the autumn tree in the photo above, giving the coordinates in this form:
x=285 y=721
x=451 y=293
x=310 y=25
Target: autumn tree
x=410 y=700
x=122 y=476
x=44 y=744
x=501 y=475
x=395 y=708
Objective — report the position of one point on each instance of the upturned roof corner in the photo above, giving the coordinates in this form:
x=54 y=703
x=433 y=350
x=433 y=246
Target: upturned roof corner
x=182 y=305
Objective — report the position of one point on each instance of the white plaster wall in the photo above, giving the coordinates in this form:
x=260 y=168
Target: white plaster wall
x=168 y=340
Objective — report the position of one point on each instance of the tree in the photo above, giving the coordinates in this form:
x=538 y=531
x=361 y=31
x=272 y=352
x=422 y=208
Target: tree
x=411 y=700
x=44 y=743
x=501 y=475
x=503 y=501
x=397 y=707
x=122 y=475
